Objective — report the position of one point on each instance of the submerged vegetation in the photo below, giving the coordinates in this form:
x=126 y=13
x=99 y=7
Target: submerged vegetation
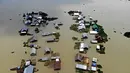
x=75 y=38
x=102 y=33
x=77 y=44
x=57 y=35
x=74 y=27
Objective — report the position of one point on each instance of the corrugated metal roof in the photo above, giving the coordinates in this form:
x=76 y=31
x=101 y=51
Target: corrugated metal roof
x=80 y=66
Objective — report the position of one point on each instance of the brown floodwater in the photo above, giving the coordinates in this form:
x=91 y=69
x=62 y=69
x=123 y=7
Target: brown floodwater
x=111 y=14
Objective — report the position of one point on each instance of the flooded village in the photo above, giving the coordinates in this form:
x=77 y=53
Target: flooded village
x=53 y=60
x=66 y=39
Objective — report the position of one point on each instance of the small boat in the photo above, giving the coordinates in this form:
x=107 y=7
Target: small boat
x=78 y=58
x=47 y=50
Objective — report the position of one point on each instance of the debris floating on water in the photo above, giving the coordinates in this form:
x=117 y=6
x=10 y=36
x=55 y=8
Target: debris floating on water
x=25 y=52
x=114 y=31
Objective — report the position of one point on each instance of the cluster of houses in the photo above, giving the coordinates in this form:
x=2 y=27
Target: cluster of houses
x=80 y=19
x=51 y=59
x=37 y=18
x=83 y=62
x=27 y=66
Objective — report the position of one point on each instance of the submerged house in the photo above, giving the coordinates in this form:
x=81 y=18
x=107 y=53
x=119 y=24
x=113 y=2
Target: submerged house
x=47 y=50
x=29 y=69
x=23 y=31
x=83 y=47
x=84 y=36
x=27 y=22
x=81 y=17
x=33 y=51
x=100 y=49
x=81 y=21
x=81 y=27
x=99 y=38
x=51 y=40
x=78 y=57
x=57 y=64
